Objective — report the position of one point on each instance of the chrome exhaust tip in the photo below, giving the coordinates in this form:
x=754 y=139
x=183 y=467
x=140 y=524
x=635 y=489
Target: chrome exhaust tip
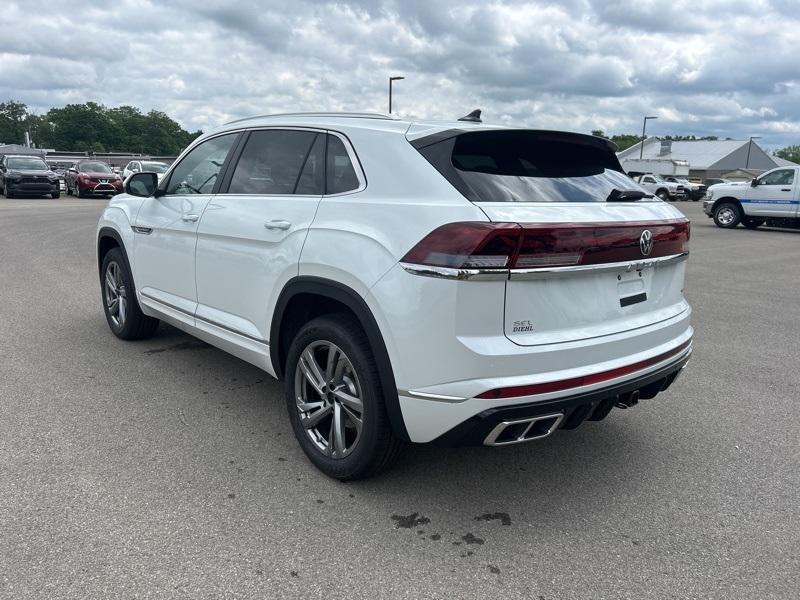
x=523 y=430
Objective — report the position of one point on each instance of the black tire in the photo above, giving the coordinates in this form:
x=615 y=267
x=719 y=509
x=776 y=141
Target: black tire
x=8 y=193
x=663 y=194
x=56 y=195
x=727 y=215
x=69 y=189
x=135 y=325
x=78 y=193
x=752 y=222
x=375 y=448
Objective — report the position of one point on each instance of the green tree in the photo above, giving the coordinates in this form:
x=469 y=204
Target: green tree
x=625 y=140
x=791 y=153
x=12 y=122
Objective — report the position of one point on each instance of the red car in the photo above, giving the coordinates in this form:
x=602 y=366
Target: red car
x=92 y=178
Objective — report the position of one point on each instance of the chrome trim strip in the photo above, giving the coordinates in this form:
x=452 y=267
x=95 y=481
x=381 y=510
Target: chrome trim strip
x=543 y=273
x=428 y=396
x=627 y=266
x=460 y=274
x=143 y=230
x=209 y=321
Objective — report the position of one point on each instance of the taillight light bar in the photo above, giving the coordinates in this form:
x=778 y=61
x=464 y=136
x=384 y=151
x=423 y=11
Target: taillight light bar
x=576 y=382
x=481 y=245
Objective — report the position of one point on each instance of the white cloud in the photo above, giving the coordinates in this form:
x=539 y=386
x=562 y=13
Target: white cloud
x=722 y=67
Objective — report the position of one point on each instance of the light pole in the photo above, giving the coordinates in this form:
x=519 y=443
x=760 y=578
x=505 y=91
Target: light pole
x=644 y=127
x=750 y=145
x=392 y=80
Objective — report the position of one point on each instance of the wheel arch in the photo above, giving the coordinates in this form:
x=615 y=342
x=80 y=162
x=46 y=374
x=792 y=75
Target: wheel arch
x=306 y=297
x=107 y=239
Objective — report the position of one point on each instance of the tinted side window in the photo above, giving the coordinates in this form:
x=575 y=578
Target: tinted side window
x=197 y=172
x=312 y=178
x=271 y=162
x=341 y=176
x=782 y=177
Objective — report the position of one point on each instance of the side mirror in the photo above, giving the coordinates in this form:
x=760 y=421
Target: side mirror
x=754 y=183
x=141 y=184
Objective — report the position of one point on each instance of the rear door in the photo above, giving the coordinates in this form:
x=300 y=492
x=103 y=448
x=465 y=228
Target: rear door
x=166 y=230
x=585 y=264
x=774 y=196
x=252 y=232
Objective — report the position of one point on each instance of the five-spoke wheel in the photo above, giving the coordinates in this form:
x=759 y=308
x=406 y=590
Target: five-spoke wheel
x=116 y=302
x=336 y=400
x=328 y=396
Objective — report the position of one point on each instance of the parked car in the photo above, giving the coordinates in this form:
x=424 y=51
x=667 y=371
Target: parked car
x=24 y=175
x=145 y=166
x=92 y=178
x=59 y=170
x=772 y=198
x=658 y=186
x=447 y=283
x=692 y=191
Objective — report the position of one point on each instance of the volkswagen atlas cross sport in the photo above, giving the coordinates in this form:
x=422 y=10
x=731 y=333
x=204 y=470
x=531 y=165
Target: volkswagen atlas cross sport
x=449 y=283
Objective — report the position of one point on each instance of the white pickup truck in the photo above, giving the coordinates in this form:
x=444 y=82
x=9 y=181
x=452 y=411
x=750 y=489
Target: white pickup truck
x=658 y=186
x=772 y=198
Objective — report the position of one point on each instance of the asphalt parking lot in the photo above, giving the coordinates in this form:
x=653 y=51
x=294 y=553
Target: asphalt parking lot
x=167 y=468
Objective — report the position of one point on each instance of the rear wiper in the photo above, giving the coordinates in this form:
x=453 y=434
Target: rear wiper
x=625 y=195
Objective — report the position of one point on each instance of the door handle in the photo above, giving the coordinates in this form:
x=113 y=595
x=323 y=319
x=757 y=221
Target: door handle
x=786 y=189
x=284 y=225
x=190 y=218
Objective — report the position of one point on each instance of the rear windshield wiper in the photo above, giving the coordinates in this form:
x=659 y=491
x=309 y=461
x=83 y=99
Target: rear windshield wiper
x=625 y=195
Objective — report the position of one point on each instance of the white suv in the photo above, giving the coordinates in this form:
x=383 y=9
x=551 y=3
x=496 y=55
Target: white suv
x=452 y=283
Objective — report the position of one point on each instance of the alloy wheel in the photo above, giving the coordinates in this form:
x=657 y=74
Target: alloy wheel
x=329 y=399
x=116 y=295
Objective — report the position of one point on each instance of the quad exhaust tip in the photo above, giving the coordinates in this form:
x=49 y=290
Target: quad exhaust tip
x=523 y=430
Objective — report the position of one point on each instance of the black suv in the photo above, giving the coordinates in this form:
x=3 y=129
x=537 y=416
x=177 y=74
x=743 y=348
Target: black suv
x=22 y=175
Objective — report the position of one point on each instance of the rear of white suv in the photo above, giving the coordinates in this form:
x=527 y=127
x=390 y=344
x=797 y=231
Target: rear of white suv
x=455 y=284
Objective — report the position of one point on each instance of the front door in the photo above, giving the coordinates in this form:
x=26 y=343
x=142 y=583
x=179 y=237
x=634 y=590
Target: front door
x=774 y=196
x=166 y=230
x=251 y=234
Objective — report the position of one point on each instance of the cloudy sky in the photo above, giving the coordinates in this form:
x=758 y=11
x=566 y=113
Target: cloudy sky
x=723 y=67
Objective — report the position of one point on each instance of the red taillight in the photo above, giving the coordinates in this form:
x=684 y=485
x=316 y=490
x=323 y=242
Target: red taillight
x=467 y=246
x=530 y=246
x=565 y=384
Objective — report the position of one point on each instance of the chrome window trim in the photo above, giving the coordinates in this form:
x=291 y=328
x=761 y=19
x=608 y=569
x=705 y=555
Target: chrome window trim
x=351 y=153
x=543 y=273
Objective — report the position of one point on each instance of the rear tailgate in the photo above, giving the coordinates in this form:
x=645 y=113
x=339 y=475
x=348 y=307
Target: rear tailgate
x=586 y=250
x=612 y=287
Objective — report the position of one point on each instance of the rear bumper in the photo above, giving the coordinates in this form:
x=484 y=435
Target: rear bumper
x=496 y=425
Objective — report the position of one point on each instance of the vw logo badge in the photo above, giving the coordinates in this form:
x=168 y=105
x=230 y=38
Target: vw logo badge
x=646 y=242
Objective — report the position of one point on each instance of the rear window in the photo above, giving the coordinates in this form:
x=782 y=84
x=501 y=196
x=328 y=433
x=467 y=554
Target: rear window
x=528 y=166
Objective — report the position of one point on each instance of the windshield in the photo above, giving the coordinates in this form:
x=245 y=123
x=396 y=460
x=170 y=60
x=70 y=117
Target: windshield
x=529 y=166
x=154 y=167
x=94 y=167
x=27 y=163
